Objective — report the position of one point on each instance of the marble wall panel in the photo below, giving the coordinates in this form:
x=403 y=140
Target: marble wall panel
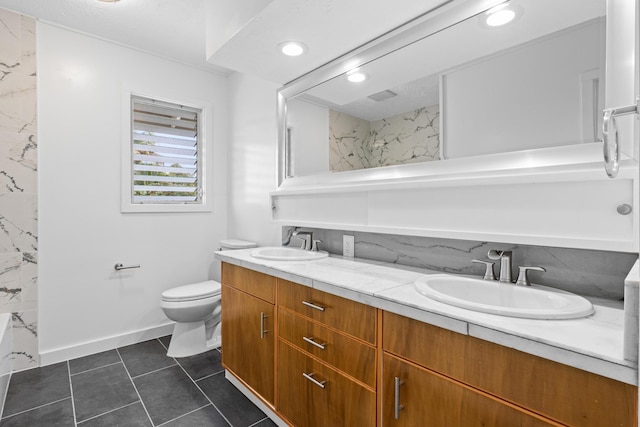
x=10 y=281
x=18 y=222
x=348 y=146
x=18 y=184
x=25 y=339
x=409 y=137
x=593 y=273
x=406 y=138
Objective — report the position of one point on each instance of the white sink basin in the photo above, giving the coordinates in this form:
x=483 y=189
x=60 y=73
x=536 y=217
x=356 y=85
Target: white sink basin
x=283 y=253
x=530 y=302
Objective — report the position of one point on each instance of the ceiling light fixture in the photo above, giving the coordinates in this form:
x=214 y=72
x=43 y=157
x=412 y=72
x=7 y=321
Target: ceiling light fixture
x=109 y=1
x=292 y=48
x=357 y=76
x=499 y=15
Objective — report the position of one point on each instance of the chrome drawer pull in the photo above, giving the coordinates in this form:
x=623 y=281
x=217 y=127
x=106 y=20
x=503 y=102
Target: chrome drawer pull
x=311 y=341
x=320 y=384
x=397 y=406
x=312 y=305
x=262 y=330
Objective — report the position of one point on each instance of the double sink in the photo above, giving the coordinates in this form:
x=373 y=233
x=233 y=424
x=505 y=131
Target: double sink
x=486 y=296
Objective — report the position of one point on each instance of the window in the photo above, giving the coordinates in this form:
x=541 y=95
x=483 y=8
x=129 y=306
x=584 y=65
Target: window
x=166 y=153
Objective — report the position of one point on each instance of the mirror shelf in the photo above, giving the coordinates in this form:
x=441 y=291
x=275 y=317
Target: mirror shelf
x=569 y=163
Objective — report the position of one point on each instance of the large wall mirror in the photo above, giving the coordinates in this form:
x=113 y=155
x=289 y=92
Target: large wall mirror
x=454 y=84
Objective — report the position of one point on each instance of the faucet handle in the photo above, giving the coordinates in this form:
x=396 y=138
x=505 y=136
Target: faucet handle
x=488 y=273
x=495 y=254
x=314 y=246
x=523 y=279
x=303 y=245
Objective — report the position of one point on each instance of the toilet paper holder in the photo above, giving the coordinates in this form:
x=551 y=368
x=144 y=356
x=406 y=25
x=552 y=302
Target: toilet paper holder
x=119 y=266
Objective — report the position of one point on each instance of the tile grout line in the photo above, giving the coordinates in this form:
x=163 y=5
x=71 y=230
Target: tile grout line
x=205 y=394
x=134 y=387
x=73 y=403
x=108 y=412
x=196 y=384
x=92 y=369
x=184 y=415
x=156 y=370
x=258 y=422
x=34 y=408
x=210 y=375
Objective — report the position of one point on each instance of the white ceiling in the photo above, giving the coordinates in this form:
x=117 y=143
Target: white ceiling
x=176 y=29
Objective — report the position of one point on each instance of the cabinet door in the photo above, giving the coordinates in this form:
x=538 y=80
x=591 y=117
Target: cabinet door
x=248 y=340
x=310 y=394
x=561 y=392
x=425 y=399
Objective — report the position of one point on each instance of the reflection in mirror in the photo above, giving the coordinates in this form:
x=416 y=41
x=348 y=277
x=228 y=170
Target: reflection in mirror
x=471 y=89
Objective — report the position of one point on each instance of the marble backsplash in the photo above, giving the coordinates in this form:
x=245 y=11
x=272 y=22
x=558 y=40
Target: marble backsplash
x=409 y=137
x=18 y=185
x=593 y=273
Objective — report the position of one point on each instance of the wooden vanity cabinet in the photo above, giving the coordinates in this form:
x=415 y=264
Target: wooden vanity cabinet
x=326 y=369
x=248 y=328
x=557 y=392
x=414 y=396
x=312 y=394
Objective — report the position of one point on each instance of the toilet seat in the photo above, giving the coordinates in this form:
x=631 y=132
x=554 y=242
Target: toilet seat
x=192 y=292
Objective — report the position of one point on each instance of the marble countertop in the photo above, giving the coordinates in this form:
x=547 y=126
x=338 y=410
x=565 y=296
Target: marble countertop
x=594 y=343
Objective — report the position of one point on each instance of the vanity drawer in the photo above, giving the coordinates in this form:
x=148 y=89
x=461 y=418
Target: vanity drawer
x=350 y=356
x=311 y=394
x=564 y=393
x=252 y=282
x=353 y=318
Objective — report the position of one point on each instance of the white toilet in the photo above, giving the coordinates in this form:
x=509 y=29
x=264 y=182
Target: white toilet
x=196 y=310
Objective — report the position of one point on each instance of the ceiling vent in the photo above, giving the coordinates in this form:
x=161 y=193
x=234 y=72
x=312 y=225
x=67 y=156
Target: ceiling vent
x=381 y=96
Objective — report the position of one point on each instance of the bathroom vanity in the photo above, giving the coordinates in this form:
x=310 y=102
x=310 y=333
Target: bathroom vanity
x=341 y=342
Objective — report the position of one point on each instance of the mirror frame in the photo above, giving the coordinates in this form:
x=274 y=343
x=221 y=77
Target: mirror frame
x=444 y=16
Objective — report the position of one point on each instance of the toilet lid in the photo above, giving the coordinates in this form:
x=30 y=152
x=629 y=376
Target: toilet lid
x=191 y=292
x=236 y=244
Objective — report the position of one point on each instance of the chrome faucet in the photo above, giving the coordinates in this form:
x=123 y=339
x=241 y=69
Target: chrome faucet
x=505 y=264
x=306 y=237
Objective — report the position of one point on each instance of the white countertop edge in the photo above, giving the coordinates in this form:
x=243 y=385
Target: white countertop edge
x=621 y=370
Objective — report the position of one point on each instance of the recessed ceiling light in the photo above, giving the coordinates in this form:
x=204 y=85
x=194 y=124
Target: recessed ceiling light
x=292 y=48
x=357 y=76
x=500 y=15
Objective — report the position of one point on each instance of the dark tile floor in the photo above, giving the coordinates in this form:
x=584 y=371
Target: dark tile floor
x=136 y=385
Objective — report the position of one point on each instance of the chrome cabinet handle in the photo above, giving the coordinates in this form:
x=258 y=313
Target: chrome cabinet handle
x=262 y=330
x=397 y=407
x=311 y=341
x=320 y=384
x=312 y=305
x=611 y=149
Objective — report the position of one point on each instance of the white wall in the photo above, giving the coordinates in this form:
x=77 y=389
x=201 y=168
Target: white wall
x=310 y=139
x=252 y=159
x=478 y=99
x=82 y=231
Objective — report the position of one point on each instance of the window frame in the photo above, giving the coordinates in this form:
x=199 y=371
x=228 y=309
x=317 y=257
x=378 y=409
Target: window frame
x=205 y=160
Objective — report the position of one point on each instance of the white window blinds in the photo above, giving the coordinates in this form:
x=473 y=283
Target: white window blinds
x=166 y=152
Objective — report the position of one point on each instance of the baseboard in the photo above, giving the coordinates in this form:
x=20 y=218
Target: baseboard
x=109 y=343
x=256 y=401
